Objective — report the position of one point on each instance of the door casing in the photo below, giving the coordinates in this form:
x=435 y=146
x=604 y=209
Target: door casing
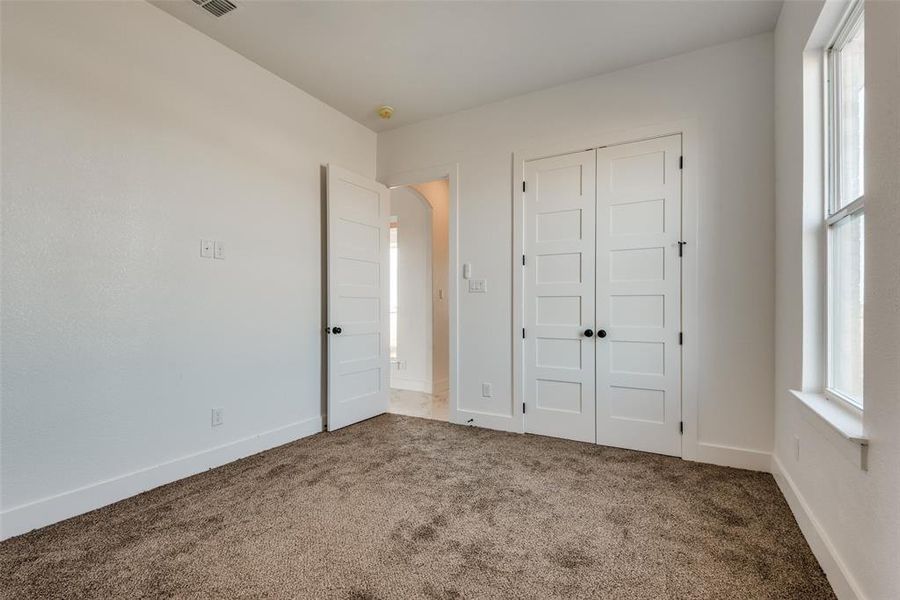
x=450 y=172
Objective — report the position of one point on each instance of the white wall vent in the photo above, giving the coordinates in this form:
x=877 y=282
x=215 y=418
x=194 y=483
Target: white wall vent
x=216 y=7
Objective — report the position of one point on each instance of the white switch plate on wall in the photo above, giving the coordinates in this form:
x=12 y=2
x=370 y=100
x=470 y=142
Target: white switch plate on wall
x=486 y=390
x=206 y=248
x=218 y=416
x=477 y=286
x=219 y=250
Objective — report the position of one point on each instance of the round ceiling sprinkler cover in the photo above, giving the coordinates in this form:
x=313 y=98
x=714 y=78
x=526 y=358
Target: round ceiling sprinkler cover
x=386 y=112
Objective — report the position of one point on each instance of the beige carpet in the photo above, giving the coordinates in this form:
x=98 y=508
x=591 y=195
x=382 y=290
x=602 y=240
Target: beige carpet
x=399 y=507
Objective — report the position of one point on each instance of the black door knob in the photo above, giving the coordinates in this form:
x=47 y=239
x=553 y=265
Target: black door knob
x=588 y=333
x=335 y=329
x=601 y=333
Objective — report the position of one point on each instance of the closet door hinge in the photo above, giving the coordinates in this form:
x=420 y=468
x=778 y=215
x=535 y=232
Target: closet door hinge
x=523 y=260
x=680 y=162
x=523 y=408
x=681 y=245
x=680 y=338
x=523 y=333
x=523 y=186
x=681 y=427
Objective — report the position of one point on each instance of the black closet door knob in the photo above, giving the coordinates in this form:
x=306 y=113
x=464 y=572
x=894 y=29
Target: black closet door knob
x=336 y=330
x=601 y=333
x=588 y=333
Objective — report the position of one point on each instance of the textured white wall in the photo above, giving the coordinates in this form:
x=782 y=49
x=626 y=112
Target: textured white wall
x=728 y=90
x=856 y=522
x=414 y=333
x=128 y=137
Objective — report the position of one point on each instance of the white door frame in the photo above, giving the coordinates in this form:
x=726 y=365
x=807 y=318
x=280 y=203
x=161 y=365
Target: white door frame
x=689 y=273
x=450 y=172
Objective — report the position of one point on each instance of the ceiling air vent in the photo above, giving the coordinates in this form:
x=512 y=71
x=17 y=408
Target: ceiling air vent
x=216 y=8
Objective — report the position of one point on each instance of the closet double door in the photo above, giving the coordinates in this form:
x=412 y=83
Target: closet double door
x=602 y=296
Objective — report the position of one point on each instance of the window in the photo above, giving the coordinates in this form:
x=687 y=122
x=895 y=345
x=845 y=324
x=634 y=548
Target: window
x=844 y=215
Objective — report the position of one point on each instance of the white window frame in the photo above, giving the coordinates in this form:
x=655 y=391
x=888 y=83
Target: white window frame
x=850 y=24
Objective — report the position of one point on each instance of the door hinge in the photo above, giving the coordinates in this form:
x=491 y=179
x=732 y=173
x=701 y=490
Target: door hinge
x=523 y=408
x=680 y=338
x=680 y=162
x=523 y=260
x=523 y=333
x=523 y=186
x=681 y=245
x=681 y=427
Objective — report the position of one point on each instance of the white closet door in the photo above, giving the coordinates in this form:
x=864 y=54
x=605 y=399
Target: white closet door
x=358 y=358
x=639 y=295
x=559 y=207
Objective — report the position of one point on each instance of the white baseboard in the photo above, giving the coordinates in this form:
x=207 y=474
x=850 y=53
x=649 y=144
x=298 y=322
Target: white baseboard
x=729 y=456
x=486 y=420
x=413 y=385
x=22 y=519
x=842 y=582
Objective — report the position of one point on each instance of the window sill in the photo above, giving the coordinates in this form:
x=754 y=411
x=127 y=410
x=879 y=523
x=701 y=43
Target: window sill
x=843 y=419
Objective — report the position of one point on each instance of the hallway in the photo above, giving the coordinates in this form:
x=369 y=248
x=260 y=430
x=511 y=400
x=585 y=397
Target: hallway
x=419 y=404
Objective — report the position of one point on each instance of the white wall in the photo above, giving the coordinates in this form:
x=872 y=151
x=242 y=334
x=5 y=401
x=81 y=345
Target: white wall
x=127 y=138
x=437 y=193
x=413 y=369
x=728 y=90
x=849 y=515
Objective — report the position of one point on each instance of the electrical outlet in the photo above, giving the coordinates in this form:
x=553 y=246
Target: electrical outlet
x=219 y=250
x=218 y=416
x=486 y=390
x=206 y=248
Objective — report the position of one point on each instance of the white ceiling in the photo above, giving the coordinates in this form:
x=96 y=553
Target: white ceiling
x=433 y=58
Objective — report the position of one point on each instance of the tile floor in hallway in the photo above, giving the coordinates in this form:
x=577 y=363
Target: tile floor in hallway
x=419 y=404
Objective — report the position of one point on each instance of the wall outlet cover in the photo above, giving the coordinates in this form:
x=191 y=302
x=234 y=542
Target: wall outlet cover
x=219 y=250
x=218 y=416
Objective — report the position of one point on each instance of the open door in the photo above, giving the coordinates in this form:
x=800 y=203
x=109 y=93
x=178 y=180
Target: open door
x=357 y=246
x=639 y=295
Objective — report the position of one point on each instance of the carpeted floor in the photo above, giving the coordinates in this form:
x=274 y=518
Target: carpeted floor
x=399 y=507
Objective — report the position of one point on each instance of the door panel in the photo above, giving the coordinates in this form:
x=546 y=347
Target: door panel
x=358 y=359
x=638 y=296
x=559 y=289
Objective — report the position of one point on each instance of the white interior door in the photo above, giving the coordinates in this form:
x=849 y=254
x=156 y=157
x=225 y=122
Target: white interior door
x=639 y=295
x=357 y=246
x=559 y=207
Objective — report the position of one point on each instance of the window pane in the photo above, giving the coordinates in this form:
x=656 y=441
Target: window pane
x=847 y=307
x=852 y=115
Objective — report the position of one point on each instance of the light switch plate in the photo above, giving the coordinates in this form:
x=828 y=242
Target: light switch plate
x=477 y=286
x=218 y=416
x=219 y=250
x=206 y=248
x=486 y=390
